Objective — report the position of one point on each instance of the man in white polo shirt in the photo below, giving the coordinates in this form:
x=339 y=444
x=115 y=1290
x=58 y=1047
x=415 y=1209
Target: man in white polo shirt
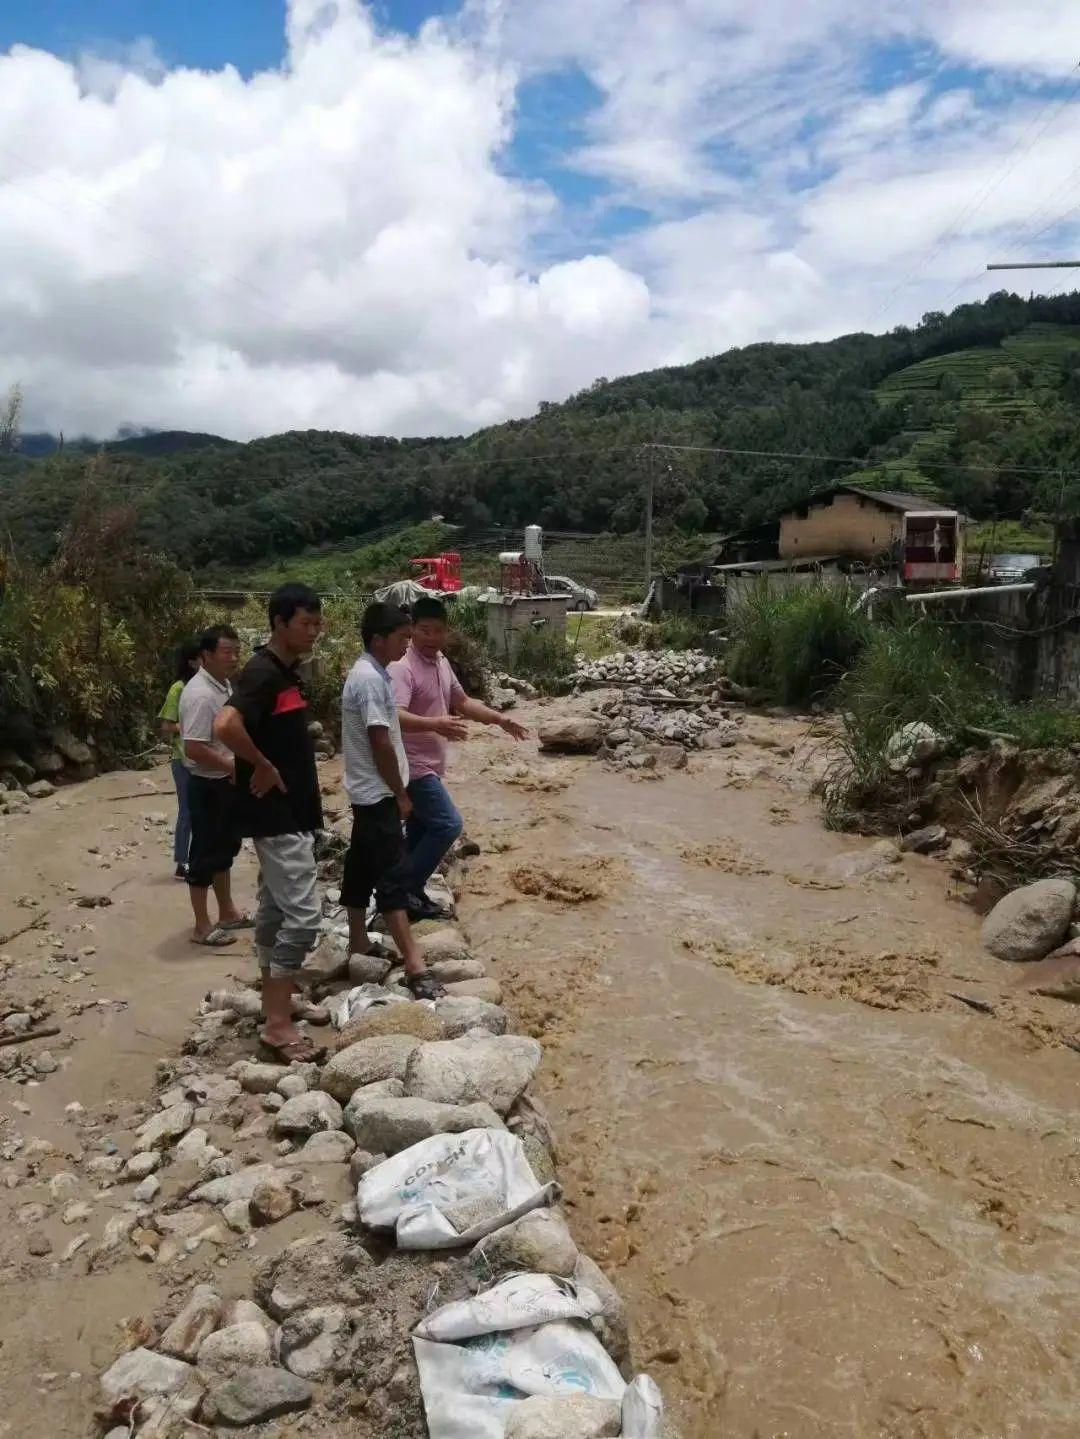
x=211 y=766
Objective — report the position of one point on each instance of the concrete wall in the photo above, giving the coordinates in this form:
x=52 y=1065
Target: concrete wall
x=847 y=525
x=510 y=617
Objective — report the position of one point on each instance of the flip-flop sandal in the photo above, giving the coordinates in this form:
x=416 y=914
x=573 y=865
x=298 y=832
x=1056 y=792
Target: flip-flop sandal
x=244 y=922
x=425 y=986
x=216 y=939
x=302 y=1051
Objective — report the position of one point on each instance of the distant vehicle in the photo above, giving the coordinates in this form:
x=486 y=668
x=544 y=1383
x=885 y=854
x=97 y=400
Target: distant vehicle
x=1009 y=568
x=581 y=597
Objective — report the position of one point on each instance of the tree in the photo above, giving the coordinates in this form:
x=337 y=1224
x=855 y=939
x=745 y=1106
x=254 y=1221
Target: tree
x=10 y=411
x=692 y=514
x=1002 y=380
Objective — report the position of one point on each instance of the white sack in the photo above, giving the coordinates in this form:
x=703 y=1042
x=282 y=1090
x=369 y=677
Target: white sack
x=355 y=1002
x=470 y=1388
x=452 y=1189
x=643 y=1410
x=521 y=1301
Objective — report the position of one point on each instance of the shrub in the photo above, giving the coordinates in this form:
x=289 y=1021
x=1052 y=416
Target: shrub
x=544 y=658
x=796 y=645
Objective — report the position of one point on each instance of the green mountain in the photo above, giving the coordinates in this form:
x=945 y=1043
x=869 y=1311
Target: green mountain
x=974 y=406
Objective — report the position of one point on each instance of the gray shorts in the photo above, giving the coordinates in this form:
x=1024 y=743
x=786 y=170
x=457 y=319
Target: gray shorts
x=289 y=909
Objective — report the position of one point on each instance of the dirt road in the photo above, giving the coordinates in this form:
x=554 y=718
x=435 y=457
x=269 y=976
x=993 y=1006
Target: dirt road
x=839 y=1201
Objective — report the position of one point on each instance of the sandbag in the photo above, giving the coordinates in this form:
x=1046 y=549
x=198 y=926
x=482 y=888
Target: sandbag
x=355 y=1002
x=642 y=1410
x=452 y=1189
x=470 y=1388
x=520 y=1301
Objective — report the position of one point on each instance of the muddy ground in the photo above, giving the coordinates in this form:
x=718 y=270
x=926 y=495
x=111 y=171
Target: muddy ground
x=839 y=1200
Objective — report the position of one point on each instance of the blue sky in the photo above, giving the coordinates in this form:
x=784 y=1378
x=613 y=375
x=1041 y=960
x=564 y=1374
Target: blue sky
x=383 y=225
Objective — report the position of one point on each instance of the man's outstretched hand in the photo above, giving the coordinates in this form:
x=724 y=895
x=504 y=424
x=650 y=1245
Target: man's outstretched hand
x=513 y=729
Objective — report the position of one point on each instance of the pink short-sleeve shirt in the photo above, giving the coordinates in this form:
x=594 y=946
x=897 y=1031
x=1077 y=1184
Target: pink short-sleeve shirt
x=425 y=688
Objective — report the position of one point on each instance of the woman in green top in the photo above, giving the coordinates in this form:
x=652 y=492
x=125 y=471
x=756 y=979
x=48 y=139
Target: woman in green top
x=187 y=662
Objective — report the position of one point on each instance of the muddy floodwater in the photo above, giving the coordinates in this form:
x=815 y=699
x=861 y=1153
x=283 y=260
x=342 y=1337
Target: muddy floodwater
x=837 y=1199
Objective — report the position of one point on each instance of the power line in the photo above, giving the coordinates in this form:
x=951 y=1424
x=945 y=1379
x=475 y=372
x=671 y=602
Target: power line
x=979 y=199
x=858 y=460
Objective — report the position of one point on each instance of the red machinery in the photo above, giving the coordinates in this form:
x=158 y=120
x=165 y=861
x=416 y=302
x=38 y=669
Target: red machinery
x=439 y=572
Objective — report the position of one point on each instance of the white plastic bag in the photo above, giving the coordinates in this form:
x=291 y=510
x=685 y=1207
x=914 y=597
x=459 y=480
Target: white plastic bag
x=470 y=1388
x=452 y=1189
x=642 y=1410
x=521 y=1301
x=355 y=1002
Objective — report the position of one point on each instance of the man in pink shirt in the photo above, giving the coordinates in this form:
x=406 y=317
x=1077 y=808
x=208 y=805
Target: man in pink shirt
x=433 y=709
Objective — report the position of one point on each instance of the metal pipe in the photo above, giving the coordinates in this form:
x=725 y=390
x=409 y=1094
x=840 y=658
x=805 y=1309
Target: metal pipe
x=1040 y=265
x=1017 y=589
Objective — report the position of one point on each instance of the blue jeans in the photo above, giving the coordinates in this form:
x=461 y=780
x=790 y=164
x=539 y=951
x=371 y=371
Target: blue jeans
x=433 y=827
x=182 y=833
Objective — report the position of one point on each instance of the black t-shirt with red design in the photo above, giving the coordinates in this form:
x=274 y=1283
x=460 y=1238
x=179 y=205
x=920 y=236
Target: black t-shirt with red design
x=270 y=698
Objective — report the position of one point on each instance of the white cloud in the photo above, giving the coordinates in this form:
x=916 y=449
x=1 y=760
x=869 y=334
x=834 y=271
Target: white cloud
x=340 y=243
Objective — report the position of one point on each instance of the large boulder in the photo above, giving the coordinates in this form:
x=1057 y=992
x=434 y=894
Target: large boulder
x=565 y=1416
x=314 y=1341
x=326 y=963
x=914 y=744
x=1030 y=922
x=443 y=944
x=368 y=1061
x=491 y=1071
x=240 y=1186
x=382 y=1124
x=571 y=734
x=488 y=990
x=538 y=1243
x=165 y=1127
x=255 y=1395
x=333 y=1148
x=141 y=1373
x=239 y=1346
x=459 y=1013
x=308 y=1114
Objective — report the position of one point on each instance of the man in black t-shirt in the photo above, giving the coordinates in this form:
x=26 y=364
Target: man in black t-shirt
x=278 y=806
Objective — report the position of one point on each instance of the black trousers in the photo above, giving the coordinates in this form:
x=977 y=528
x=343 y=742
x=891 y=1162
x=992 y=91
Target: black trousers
x=214 y=845
x=377 y=859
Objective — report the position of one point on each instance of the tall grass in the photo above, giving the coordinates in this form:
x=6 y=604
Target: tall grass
x=796 y=645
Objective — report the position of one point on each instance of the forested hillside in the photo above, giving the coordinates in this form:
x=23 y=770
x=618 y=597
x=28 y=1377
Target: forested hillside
x=973 y=404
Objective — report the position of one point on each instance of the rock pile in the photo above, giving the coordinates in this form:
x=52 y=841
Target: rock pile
x=679 y=670
x=234 y=1146
x=33 y=765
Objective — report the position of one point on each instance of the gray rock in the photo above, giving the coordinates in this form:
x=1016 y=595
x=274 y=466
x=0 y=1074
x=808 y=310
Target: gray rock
x=311 y=1271
x=368 y=969
x=239 y=1346
x=487 y=990
x=195 y=1149
x=255 y=1395
x=925 y=840
x=361 y=1162
x=141 y=1374
x=722 y=737
x=1030 y=922
x=308 y=1114
x=164 y=1127
x=140 y=1165
x=383 y=1125
x=292 y=1085
x=538 y=1243
x=460 y=1014
x=333 y=1148
x=246 y=1311
x=147 y=1190
x=46 y=1063
x=384 y=1056
x=198 y=1319
x=256 y=1078
x=237 y=1215
x=491 y=1071
x=571 y=734
x=565 y=1416
x=14 y=764
x=273 y=1200
x=314 y=1341
x=40 y=789
x=916 y=743
x=610 y=1326
x=443 y=944
x=454 y=971
x=326 y=964
x=237 y=1186
x=72 y=749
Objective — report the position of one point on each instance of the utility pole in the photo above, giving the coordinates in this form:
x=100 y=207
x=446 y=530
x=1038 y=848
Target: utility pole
x=650 y=493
